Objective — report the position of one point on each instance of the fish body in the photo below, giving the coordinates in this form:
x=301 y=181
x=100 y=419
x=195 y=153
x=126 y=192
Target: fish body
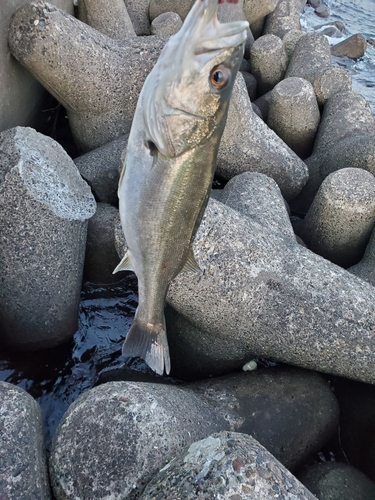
x=170 y=163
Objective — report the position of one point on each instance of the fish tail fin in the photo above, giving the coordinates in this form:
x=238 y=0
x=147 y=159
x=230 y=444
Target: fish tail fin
x=150 y=343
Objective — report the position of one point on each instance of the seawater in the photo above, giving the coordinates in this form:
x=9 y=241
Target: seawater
x=358 y=17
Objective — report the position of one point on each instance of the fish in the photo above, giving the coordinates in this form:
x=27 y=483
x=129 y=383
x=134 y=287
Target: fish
x=169 y=165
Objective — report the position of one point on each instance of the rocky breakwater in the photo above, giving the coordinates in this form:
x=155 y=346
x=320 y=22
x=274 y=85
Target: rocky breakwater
x=261 y=293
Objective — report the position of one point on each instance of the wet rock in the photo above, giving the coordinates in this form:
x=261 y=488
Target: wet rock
x=157 y=7
x=44 y=209
x=314 y=3
x=110 y=19
x=340 y=220
x=23 y=467
x=365 y=269
x=353 y=47
x=337 y=481
x=291 y=412
x=249 y=145
x=294 y=114
x=322 y=10
x=225 y=465
x=142 y=426
x=269 y=62
x=310 y=57
x=115 y=437
x=285 y=17
x=100 y=169
x=166 y=24
x=101 y=256
x=138 y=13
x=100 y=99
x=357 y=423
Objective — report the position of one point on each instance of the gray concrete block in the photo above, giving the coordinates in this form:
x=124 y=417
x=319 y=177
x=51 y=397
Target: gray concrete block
x=269 y=62
x=248 y=144
x=22 y=98
x=166 y=24
x=353 y=47
x=228 y=464
x=158 y=7
x=138 y=13
x=44 y=209
x=23 y=467
x=294 y=114
x=67 y=56
x=339 y=222
x=111 y=19
x=285 y=17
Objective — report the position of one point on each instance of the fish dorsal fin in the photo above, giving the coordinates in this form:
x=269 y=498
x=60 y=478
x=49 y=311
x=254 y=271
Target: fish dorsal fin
x=191 y=264
x=125 y=265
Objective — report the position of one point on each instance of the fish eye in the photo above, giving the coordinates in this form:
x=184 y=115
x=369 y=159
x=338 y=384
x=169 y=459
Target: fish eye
x=219 y=76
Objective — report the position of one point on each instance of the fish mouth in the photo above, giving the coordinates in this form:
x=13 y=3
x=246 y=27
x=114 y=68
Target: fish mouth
x=202 y=26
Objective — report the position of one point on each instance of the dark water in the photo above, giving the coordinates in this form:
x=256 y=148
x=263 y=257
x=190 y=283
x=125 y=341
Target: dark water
x=358 y=17
x=56 y=377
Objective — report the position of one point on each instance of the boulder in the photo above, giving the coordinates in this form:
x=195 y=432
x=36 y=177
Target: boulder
x=225 y=465
x=337 y=481
x=353 y=47
x=23 y=466
x=44 y=208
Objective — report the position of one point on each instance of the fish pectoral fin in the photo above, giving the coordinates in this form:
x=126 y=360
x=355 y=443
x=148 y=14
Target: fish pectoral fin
x=125 y=264
x=191 y=264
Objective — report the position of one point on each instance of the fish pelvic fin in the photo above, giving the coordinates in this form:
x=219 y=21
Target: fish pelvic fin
x=191 y=264
x=125 y=264
x=149 y=342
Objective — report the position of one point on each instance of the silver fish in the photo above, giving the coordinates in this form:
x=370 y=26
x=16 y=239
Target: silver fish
x=170 y=163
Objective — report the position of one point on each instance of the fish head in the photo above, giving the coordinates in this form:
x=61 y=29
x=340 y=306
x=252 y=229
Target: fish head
x=186 y=95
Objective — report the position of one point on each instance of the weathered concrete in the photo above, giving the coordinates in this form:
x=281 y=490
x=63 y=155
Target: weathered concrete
x=115 y=437
x=44 y=207
x=101 y=257
x=111 y=19
x=337 y=481
x=248 y=144
x=166 y=24
x=225 y=465
x=67 y=56
x=294 y=114
x=365 y=269
x=22 y=98
x=23 y=467
x=269 y=62
x=256 y=283
x=138 y=13
x=101 y=169
x=340 y=220
x=331 y=81
x=285 y=17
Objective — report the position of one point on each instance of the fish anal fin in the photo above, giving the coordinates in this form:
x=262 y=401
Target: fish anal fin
x=125 y=264
x=191 y=264
x=150 y=343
